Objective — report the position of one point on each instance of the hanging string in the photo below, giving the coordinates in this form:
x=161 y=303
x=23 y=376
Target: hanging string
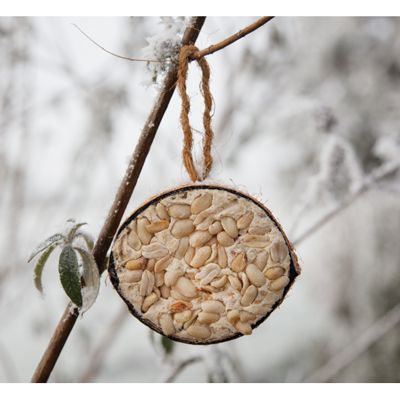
x=186 y=54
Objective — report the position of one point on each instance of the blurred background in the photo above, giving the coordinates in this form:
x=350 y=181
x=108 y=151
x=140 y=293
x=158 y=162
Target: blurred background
x=306 y=119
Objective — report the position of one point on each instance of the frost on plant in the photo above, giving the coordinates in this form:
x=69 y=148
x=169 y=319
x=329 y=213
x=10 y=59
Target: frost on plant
x=78 y=271
x=164 y=47
x=339 y=173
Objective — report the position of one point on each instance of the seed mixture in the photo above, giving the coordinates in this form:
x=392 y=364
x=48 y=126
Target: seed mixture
x=201 y=265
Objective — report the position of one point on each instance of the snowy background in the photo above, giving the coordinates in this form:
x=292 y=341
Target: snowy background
x=306 y=119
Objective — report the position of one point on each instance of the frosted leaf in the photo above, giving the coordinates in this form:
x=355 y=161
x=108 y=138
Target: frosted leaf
x=37 y=274
x=86 y=238
x=91 y=279
x=164 y=47
x=73 y=230
x=69 y=275
x=339 y=173
x=52 y=240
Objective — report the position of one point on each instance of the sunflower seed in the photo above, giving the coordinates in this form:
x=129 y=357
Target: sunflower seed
x=222 y=257
x=182 y=228
x=219 y=283
x=165 y=292
x=157 y=226
x=245 y=316
x=239 y=263
x=171 y=277
x=208 y=318
x=215 y=228
x=179 y=211
x=167 y=325
x=201 y=203
x=133 y=276
x=133 y=240
x=162 y=212
x=213 y=306
x=159 y=279
x=149 y=301
x=154 y=250
x=185 y=287
x=249 y=296
x=224 y=239
x=261 y=260
x=245 y=282
x=132 y=265
x=233 y=316
x=199 y=238
x=279 y=283
x=243 y=327
x=150 y=265
x=274 y=273
x=189 y=255
x=144 y=235
x=200 y=256
x=256 y=277
x=245 y=220
x=278 y=251
x=162 y=263
x=182 y=248
x=235 y=282
x=179 y=306
x=198 y=331
x=230 y=227
x=214 y=253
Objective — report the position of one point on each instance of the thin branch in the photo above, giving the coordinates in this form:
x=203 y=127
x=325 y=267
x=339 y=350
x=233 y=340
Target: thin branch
x=354 y=349
x=205 y=52
x=376 y=176
x=181 y=366
x=110 y=52
x=97 y=357
x=231 y=39
x=120 y=203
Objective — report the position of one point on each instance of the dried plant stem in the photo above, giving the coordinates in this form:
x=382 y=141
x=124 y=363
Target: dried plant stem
x=369 y=182
x=362 y=343
x=120 y=203
x=231 y=39
x=98 y=354
x=110 y=52
x=181 y=366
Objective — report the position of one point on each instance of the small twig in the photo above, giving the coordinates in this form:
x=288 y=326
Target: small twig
x=97 y=357
x=353 y=350
x=205 y=52
x=376 y=176
x=110 y=52
x=231 y=39
x=181 y=366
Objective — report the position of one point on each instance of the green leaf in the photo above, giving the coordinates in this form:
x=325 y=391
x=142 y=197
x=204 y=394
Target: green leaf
x=167 y=344
x=54 y=239
x=91 y=279
x=69 y=274
x=87 y=238
x=37 y=274
x=73 y=230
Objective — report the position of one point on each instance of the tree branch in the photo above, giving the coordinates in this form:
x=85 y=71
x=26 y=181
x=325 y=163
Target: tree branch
x=376 y=176
x=98 y=354
x=353 y=350
x=231 y=39
x=181 y=366
x=120 y=203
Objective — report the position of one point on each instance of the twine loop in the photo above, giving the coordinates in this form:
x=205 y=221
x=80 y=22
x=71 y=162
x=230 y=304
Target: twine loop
x=188 y=53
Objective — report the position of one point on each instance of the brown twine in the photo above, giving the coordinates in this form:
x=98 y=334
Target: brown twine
x=186 y=54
